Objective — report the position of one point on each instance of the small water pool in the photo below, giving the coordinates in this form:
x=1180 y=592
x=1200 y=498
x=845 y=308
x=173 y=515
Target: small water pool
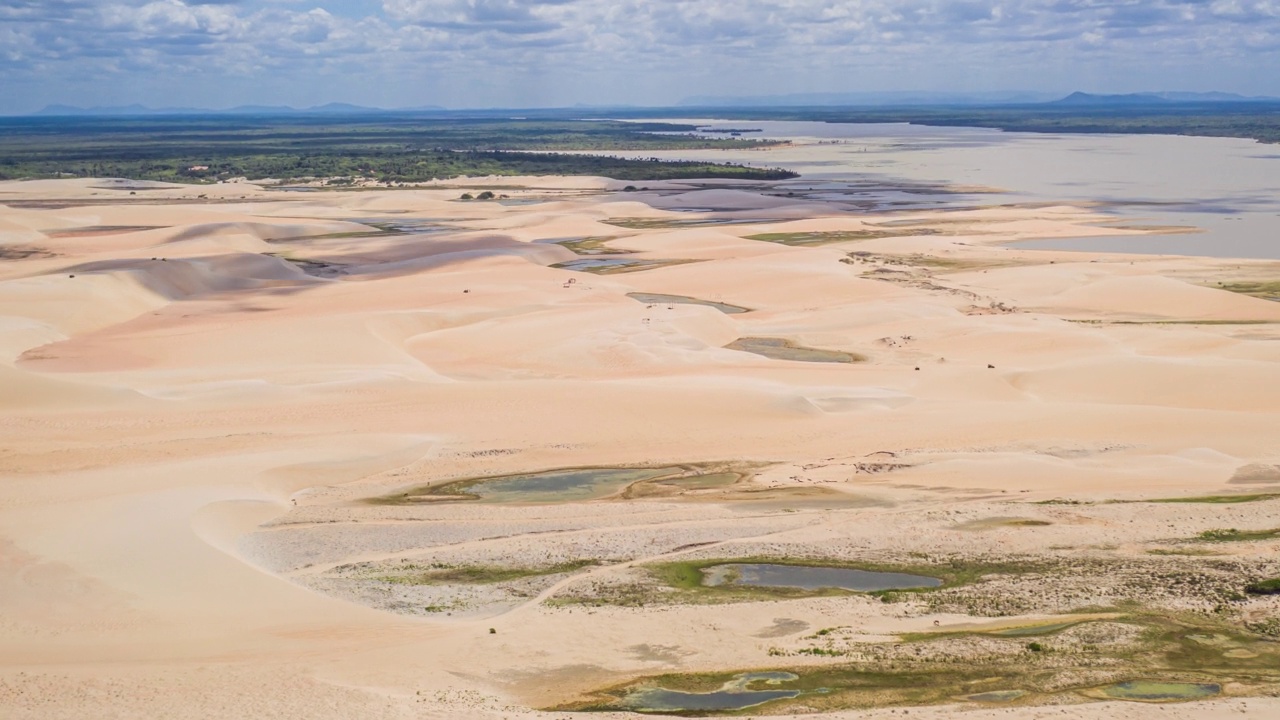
x=811 y=577
x=553 y=486
x=733 y=695
x=607 y=265
x=781 y=349
x=1157 y=691
x=659 y=298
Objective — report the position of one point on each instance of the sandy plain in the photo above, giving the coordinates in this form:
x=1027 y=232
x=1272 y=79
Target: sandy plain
x=203 y=388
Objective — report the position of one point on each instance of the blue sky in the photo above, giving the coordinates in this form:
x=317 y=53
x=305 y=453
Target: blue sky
x=516 y=53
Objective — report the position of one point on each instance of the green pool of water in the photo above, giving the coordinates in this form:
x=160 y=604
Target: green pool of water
x=1155 y=691
x=552 y=486
x=810 y=577
x=736 y=694
x=780 y=349
x=659 y=298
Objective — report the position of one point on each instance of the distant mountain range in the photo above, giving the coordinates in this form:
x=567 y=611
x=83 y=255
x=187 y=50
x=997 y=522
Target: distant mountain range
x=1160 y=98
x=902 y=99
x=874 y=99
x=863 y=99
x=135 y=110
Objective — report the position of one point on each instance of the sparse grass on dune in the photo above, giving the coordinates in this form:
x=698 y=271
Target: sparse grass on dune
x=475 y=574
x=1234 y=535
x=813 y=239
x=1188 y=656
x=1267 y=290
x=1220 y=499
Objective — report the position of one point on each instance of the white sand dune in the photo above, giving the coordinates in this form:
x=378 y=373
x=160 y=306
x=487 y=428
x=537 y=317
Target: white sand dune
x=190 y=443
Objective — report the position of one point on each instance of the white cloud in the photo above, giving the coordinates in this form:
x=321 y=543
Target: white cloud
x=482 y=51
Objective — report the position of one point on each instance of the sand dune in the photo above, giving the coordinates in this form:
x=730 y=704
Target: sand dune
x=209 y=458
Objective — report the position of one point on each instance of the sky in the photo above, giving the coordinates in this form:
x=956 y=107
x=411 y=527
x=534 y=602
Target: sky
x=555 y=53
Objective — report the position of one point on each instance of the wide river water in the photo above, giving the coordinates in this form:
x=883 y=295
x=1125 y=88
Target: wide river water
x=1228 y=188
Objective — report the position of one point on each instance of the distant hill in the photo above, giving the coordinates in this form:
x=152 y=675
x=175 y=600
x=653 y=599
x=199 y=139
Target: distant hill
x=1157 y=98
x=142 y=110
x=869 y=99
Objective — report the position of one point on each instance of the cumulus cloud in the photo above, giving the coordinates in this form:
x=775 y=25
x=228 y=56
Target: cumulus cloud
x=671 y=46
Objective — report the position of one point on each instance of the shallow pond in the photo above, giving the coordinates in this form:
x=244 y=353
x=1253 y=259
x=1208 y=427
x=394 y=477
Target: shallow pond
x=553 y=486
x=997 y=696
x=403 y=226
x=659 y=298
x=809 y=577
x=1225 y=186
x=733 y=695
x=780 y=349
x=1153 y=691
x=586 y=245
x=607 y=265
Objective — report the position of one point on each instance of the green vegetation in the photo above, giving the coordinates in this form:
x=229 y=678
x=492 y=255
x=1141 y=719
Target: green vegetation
x=813 y=239
x=1183 y=656
x=1264 y=290
x=384 y=148
x=1264 y=587
x=1234 y=535
x=438 y=574
x=1220 y=499
x=1258 y=121
x=1187 y=552
x=1001 y=522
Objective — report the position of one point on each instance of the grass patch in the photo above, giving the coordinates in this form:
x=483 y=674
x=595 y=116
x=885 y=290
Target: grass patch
x=1264 y=587
x=1267 y=290
x=1186 y=552
x=1219 y=499
x=1169 y=648
x=813 y=239
x=1001 y=522
x=1234 y=535
x=477 y=574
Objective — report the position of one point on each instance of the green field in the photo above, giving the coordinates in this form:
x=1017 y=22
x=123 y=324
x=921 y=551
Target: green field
x=385 y=148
